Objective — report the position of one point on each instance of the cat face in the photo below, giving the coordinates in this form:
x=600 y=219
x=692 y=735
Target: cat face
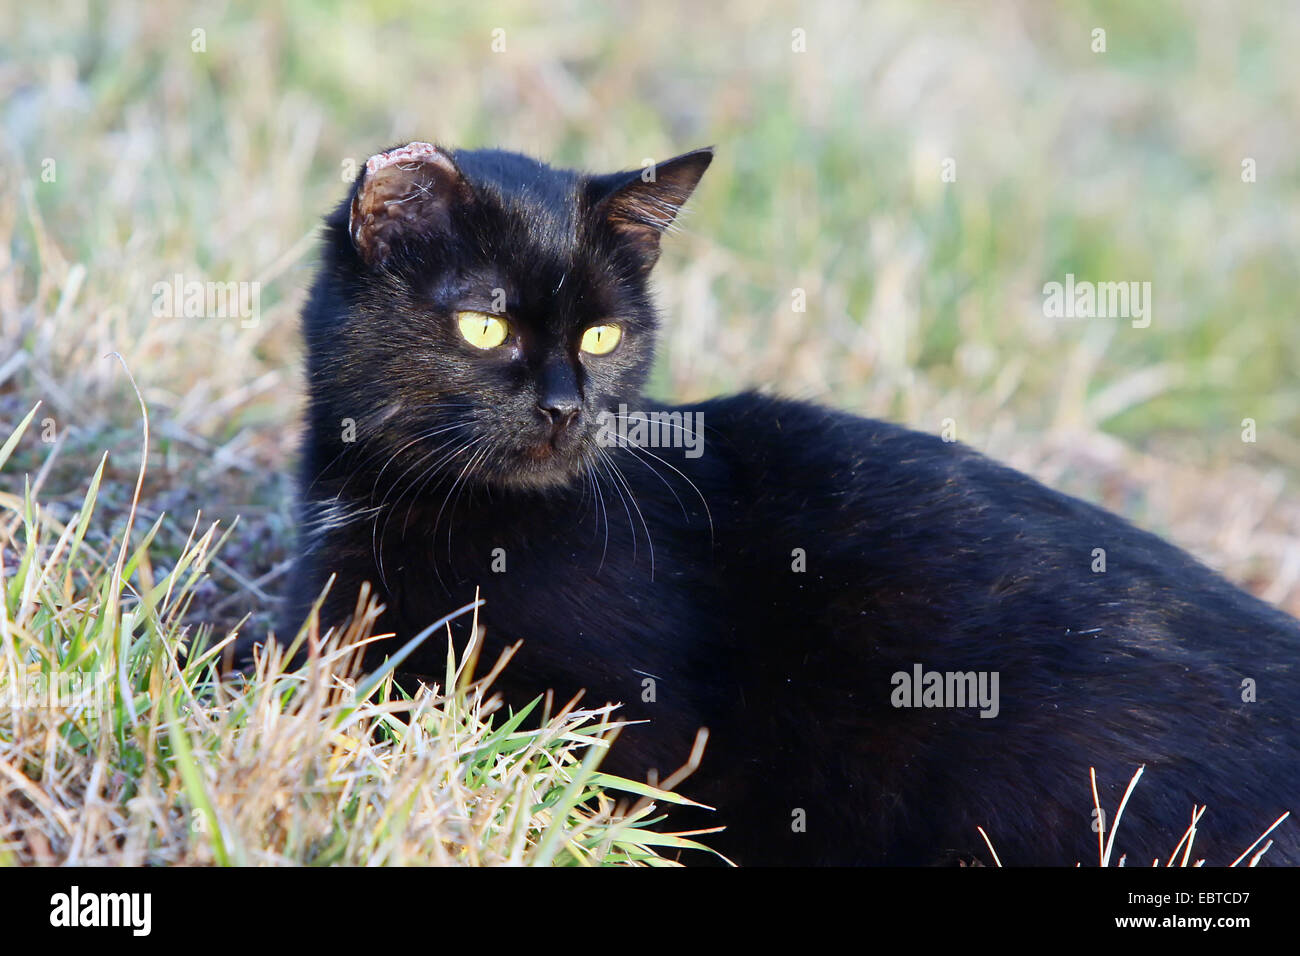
x=479 y=310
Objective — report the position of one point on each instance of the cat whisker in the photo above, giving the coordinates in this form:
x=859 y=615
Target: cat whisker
x=348 y=448
x=404 y=491
x=661 y=423
x=451 y=517
x=623 y=498
x=667 y=484
x=439 y=430
x=479 y=457
x=417 y=485
x=595 y=483
x=694 y=486
x=438 y=518
x=377 y=533
x=618 y=473
x=362 y=466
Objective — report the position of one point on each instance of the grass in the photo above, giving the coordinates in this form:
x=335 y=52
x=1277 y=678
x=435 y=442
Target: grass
x=140 y=142
x=1180 y=855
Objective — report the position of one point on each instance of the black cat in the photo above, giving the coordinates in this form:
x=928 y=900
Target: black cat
x=892 y=639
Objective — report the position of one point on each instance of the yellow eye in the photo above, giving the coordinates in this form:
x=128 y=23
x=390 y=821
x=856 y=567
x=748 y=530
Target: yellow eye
x=481 y=330
x=601 y=339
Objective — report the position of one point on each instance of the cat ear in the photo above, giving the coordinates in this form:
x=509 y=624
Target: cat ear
x=402 y=192
x=641 y=205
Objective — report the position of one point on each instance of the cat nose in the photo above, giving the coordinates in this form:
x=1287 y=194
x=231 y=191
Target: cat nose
x=558 y=397
x=562 y=412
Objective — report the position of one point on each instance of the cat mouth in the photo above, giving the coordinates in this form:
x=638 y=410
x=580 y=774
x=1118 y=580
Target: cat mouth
x=542 y=451
x=542 y=463
x=559 y=446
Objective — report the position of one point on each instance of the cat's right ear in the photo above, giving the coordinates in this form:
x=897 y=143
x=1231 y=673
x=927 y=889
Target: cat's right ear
x=402 y=193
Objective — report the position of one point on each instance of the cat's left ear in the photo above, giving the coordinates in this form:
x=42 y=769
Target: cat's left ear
x=401 y=194
x=641 y=205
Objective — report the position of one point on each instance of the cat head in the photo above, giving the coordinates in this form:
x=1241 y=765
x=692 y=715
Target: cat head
x=478 y=310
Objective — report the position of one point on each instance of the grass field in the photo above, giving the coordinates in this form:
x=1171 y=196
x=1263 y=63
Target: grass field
x=916 y=171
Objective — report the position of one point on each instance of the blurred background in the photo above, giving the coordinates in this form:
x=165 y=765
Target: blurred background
x=919 y=170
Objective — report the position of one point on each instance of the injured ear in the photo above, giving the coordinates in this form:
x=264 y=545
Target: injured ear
x=404 y=192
